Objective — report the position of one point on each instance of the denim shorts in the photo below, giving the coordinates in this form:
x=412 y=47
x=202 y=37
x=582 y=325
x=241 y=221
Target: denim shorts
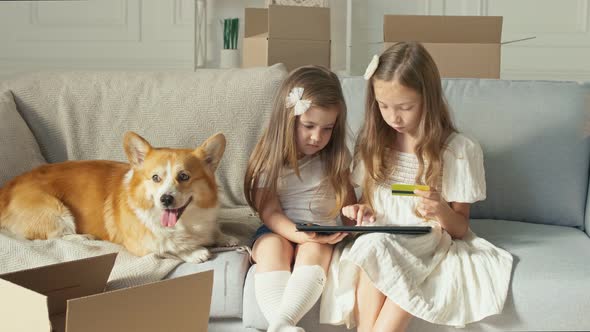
x=259 y=232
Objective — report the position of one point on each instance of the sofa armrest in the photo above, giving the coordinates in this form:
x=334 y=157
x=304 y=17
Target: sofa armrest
x=587 y=215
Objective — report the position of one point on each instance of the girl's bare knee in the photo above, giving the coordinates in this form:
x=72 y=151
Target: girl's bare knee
x=309 y=247
x=273 y=252
x=312 y=253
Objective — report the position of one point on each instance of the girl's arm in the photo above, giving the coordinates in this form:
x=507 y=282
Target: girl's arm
x=453 y=216
x=354 y=213
x=273 y=217
x=455 y=219
x=350 y=200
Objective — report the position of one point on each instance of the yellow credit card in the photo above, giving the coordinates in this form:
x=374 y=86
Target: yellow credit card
x=407 y=189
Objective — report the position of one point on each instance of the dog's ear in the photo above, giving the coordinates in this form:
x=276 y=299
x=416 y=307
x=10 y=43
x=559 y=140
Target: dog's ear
x=213 y=147
x=136 y=148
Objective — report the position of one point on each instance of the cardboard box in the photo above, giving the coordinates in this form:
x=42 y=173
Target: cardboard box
x=293 y=35
x=70 y=297
x=462 y=46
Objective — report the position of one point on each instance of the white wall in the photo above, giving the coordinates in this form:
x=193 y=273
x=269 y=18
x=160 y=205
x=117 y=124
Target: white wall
x=95 y=34
x=122 y=34
x=158 y=34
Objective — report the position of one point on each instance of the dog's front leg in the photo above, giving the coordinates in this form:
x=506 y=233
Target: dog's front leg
x=225 y=240
x=198 y=255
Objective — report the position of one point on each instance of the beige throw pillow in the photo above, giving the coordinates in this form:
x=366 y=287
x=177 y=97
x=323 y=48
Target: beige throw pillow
x=19 y=151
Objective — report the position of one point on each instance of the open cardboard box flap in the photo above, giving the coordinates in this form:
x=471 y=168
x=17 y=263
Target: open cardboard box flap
x=70 y=297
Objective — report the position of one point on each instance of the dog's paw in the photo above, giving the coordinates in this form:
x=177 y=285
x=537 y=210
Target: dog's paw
x=198 y=256
x=228 y=241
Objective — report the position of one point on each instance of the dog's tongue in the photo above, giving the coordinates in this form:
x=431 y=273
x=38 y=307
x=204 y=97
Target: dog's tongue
x=169 y=218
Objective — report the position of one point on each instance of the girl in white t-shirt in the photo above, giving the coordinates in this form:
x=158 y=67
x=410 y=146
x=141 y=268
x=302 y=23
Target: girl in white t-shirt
x=449 y=276
x=298 y=173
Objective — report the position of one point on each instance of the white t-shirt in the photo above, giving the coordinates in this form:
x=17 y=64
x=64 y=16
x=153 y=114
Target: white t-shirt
x=308 y=199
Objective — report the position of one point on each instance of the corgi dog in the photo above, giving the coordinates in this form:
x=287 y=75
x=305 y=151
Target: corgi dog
x=164 y=201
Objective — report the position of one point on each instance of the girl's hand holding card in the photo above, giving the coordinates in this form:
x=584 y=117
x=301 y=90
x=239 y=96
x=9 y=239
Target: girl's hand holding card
x=431 y=204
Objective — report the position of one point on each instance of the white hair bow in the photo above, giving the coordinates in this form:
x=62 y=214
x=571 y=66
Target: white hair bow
x=371 y=67
x=294 y=100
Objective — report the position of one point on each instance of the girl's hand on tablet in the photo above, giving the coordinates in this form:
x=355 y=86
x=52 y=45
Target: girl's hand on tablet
x=360 y=213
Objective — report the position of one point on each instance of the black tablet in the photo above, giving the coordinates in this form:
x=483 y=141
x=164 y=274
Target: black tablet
x=410 y=230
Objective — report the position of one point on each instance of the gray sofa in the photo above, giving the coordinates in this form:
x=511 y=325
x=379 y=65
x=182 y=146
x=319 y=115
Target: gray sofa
x=533 y=134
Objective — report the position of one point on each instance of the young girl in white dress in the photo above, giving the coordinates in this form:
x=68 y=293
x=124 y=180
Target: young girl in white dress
x=449 y=276
x=298 y=173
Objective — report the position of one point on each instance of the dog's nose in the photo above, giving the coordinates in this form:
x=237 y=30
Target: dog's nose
x=167 y=200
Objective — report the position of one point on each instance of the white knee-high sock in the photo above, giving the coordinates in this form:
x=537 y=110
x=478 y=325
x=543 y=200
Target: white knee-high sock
x=269 y=288
x=303 y=290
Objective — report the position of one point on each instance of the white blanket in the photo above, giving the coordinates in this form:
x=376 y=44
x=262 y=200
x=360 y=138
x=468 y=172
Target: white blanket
x=129 y=270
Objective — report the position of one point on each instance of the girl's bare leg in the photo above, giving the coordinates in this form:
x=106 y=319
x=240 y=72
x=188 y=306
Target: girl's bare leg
x=392 y=318
x=272 y=252
x=312 y=253
x=369 y=302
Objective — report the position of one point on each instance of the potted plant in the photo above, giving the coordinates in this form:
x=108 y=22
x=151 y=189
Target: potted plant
x=229 y=57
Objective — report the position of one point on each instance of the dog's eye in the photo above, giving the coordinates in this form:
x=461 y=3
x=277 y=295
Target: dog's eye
x=156 y=178
x=183 y=177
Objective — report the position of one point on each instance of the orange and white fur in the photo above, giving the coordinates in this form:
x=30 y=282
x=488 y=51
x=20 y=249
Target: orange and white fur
x=164 y=202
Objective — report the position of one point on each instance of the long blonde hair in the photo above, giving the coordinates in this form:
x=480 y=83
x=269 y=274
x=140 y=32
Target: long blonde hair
x=412 y=66
x=277 y=147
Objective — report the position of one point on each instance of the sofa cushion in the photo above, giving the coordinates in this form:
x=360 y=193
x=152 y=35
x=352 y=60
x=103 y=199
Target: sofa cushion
x=549 y=289
x=83 y=115
x=229 y=264
x=229 y=271
x=252 y=315
x=536 y=157
x=525 y=143
x=19 y=150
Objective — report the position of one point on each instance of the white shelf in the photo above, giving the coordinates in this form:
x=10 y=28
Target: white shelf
x=206 y=46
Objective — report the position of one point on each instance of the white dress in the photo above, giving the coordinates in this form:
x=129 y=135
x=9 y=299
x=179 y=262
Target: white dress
x=433 y=277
